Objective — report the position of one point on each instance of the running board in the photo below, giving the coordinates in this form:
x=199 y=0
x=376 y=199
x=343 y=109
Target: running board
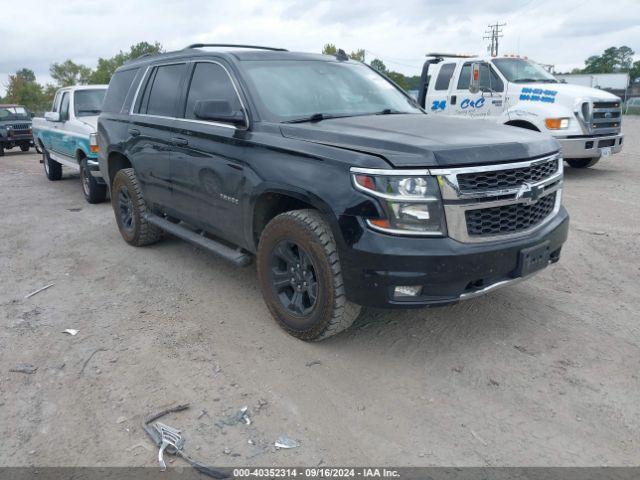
x=237 y=257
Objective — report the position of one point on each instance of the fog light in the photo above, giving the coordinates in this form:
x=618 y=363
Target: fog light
x=407 y=291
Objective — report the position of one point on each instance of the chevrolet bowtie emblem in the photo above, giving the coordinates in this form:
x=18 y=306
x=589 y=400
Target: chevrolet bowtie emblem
x=528 y=192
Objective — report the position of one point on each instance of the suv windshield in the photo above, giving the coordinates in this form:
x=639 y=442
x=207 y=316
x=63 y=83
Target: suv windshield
x=519 y=70
x=88 y=102
x=13 y=113
x=298 y=90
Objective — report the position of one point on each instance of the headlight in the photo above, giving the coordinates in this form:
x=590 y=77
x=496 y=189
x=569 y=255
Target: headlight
x=556 y=123
x=411 y=201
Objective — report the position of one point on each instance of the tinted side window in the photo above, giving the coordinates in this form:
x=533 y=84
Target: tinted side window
x=64 y=106
x=488 y=78
x=118 y=88
x=210 y=81
x=444 y=76
x=164 y=90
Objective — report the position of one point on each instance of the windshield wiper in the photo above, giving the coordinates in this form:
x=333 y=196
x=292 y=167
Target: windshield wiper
x=316 y=117
x=95 y=110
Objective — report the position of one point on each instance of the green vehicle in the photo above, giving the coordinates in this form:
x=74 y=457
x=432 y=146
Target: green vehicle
x=15 y=128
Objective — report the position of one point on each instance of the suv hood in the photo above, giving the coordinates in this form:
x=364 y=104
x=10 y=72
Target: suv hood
x=418 y=140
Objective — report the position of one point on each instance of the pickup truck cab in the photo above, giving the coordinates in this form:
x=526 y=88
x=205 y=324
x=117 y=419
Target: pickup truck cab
x=519 y=92
x=67 y=137
x=15 y=128
x=331 y=176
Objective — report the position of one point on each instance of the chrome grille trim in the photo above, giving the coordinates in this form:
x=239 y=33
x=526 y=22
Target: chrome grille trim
x=457 y=202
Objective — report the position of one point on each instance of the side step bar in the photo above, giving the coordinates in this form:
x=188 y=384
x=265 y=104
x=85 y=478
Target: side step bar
x=237 y=257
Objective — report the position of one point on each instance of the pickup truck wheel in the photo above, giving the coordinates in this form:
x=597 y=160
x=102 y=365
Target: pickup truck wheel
x=582 y=162
x=52 y=169
x=93 y=191
x=300 y=276
x=129 y=208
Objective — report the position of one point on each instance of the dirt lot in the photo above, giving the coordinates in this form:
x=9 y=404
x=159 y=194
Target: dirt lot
x=542 y=373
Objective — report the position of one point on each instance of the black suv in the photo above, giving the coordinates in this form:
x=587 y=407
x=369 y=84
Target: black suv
x=15 y=128
x=346 y=192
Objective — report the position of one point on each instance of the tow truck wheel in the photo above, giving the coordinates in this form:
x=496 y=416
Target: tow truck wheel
x=93 y=191
x=582 y=162
x=52 y=169
x=129 y=208
x=301 y=278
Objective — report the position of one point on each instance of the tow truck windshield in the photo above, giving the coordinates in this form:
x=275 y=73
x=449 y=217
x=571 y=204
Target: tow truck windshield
x=519 y=70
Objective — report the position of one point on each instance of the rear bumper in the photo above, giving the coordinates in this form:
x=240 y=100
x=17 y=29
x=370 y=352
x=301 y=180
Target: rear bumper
x=447 y=270
x=590 y=147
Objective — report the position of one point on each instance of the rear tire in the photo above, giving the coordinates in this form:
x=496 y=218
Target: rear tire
x=92 y=190
x=52 y=169
x=582 y=162
x=301 y=278
x=129 y=208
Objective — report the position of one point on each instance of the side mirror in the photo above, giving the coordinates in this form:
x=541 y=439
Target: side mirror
x=218 y=111
x=474 y=82
x=52 y=116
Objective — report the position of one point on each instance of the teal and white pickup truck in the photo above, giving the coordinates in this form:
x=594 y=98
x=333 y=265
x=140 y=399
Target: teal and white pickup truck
x=67 y=137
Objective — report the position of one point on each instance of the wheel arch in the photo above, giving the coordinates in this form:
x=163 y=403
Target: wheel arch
x=273 y=201
x=116 y=161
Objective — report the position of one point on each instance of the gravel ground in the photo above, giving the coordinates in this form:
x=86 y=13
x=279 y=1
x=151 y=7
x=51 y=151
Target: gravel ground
x=541 y=373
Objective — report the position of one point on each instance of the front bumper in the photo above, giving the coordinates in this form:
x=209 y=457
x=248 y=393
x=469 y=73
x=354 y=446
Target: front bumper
x=94 y=168
x=448 y=270
x=590 y=147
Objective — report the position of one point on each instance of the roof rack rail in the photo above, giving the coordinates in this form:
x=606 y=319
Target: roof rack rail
x=449 y=55
x=233 y=45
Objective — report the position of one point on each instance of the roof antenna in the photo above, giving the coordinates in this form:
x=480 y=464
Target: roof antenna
x=341 y=55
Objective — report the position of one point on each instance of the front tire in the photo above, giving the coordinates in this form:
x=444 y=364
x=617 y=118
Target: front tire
x=52 y=169
x=301 y=278
x=92 y=190
x=129 y=207
x=582 y=162
x=25 y=147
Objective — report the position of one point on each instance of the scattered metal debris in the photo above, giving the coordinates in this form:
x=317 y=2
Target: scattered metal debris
x=40 y=290
x=84 y=365
x=24 y=368
x=313 y=362
x=170 y=437
x=71 y=331
x=158 y=440
x=121 y=419
x=241 y=415
x=202 y=414
x=285 y=442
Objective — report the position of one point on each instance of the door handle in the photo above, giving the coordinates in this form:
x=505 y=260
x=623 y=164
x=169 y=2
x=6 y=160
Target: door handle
x=134 y=132
x=180 y=142
x=453 y=99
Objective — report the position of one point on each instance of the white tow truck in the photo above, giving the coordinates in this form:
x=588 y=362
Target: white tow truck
x=517 y=91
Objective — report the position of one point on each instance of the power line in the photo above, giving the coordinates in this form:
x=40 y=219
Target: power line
x=495 y=35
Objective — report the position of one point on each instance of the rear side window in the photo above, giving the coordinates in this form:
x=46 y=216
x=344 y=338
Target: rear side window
x=117 y=92
x=210 y=81
x=164 y=88
x=444 y=76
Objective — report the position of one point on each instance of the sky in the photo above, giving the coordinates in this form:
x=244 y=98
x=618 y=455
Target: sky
x=559 y=32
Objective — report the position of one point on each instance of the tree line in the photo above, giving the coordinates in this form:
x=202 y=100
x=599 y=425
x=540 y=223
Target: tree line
x=23 y=88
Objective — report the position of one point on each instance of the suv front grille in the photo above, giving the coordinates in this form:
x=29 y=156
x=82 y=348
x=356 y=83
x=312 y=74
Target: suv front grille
x=500 y=179
x=21 y=126
x=495 y=202
x=509 y=218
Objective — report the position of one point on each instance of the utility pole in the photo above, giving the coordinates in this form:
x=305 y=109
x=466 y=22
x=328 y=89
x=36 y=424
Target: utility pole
x=493 y=35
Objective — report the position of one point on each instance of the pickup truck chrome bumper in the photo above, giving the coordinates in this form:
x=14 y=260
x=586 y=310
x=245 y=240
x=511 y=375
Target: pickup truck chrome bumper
x=94 y=168
x=589 y=147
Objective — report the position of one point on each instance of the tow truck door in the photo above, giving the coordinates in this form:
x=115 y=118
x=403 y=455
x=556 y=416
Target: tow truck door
x=487 y=103
x=438 y=95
